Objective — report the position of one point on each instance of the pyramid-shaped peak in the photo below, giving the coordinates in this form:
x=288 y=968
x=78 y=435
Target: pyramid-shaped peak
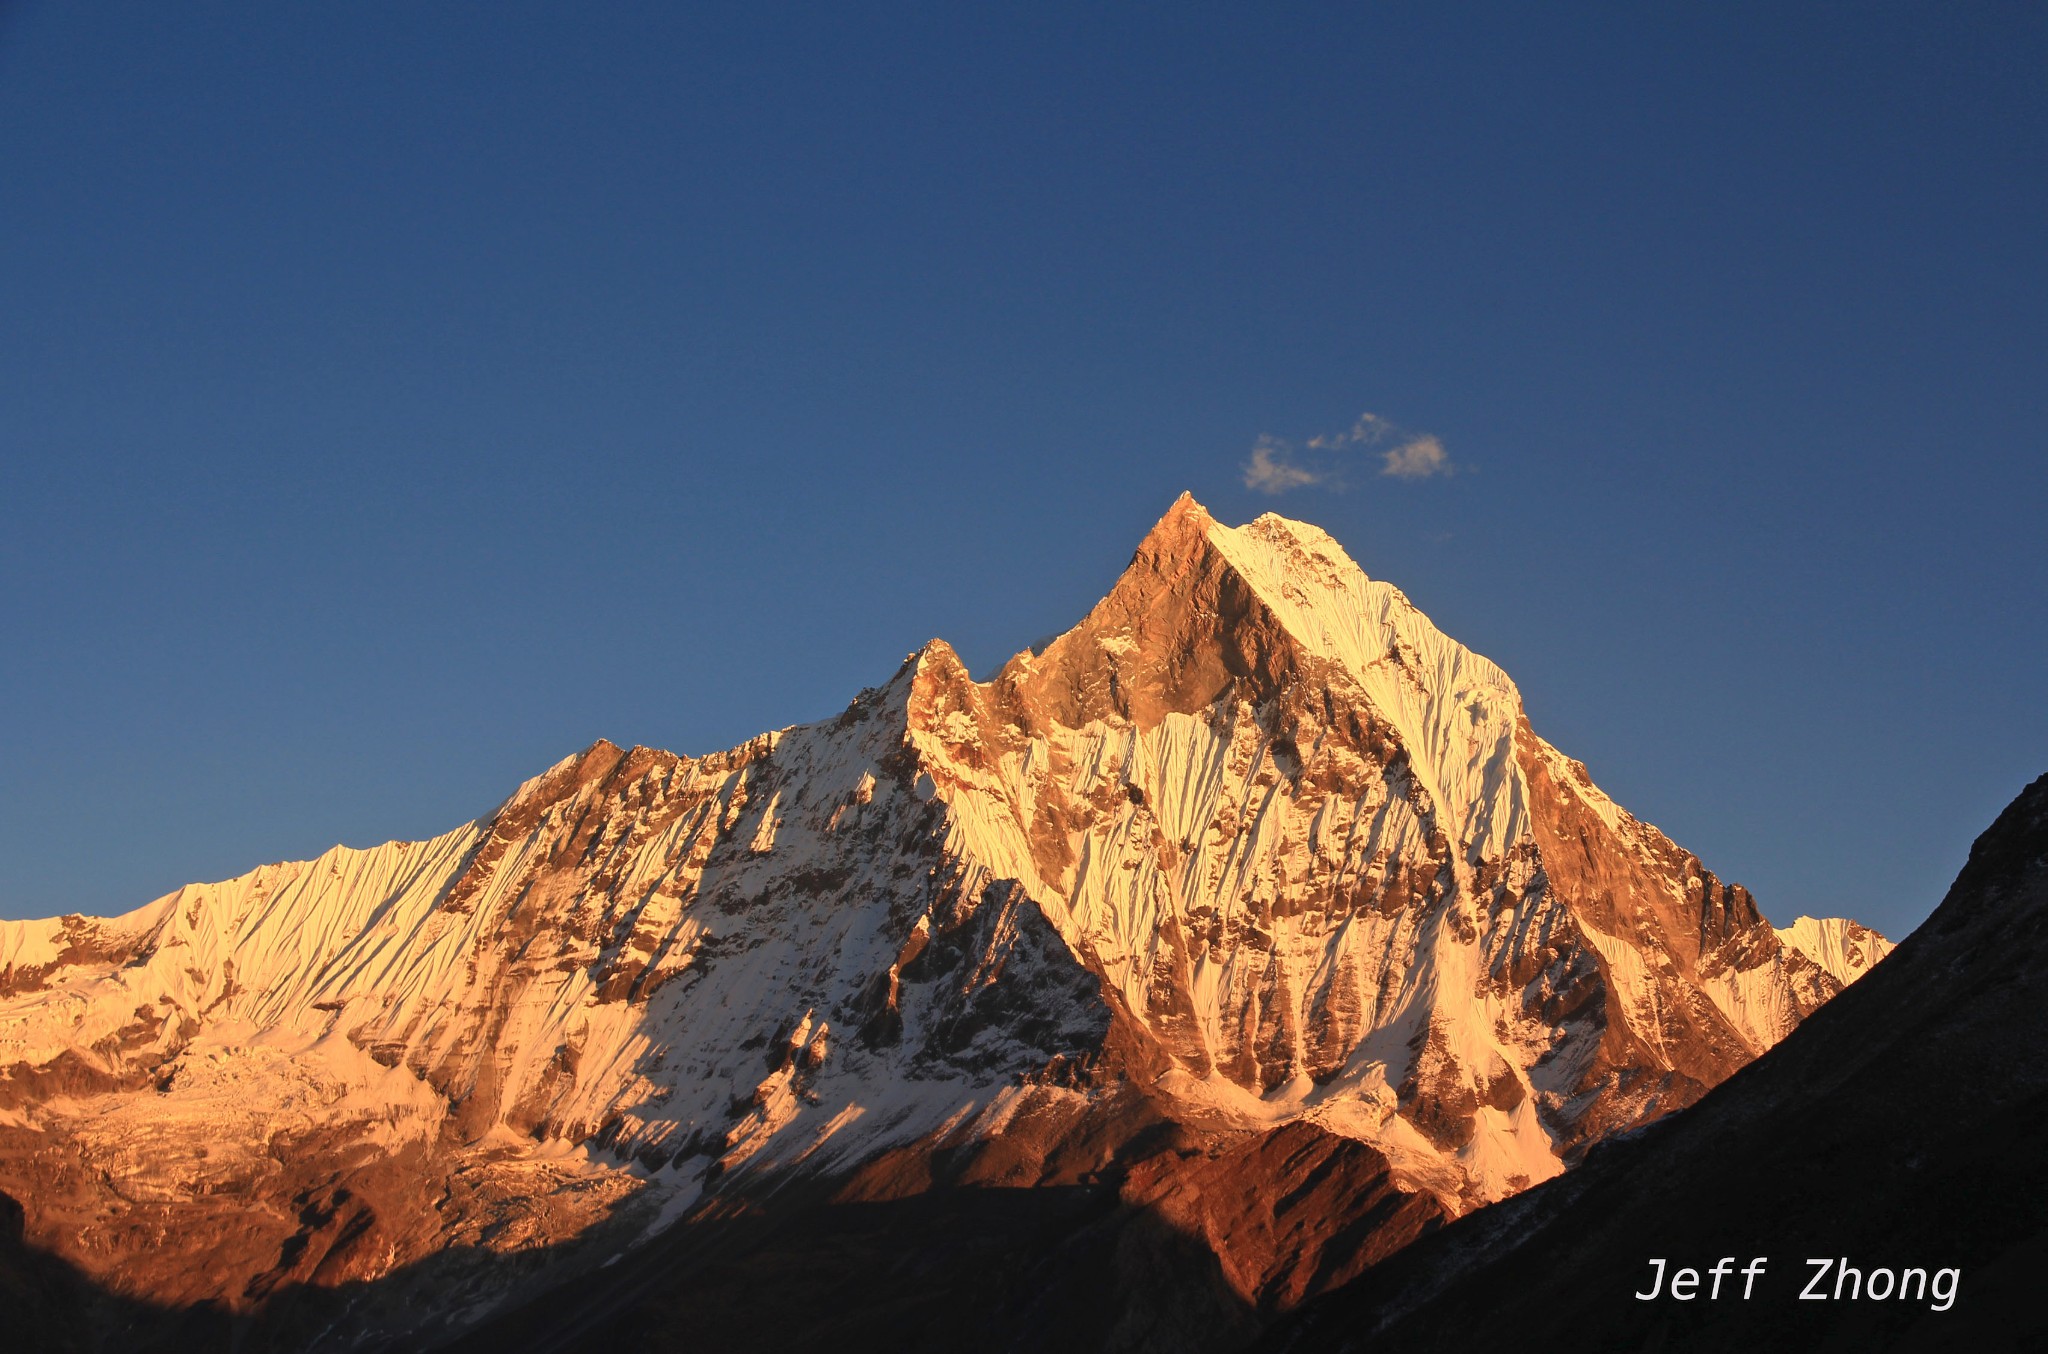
x=1205 y=607
x=1182 y=530
x=1272 y=545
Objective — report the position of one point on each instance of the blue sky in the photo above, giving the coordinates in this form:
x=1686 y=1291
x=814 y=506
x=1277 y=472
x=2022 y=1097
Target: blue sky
x=394 y=399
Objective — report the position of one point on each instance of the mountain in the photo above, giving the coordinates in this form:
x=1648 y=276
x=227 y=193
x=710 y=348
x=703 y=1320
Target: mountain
x=1844 y=948
x=1898 y=1130
x=1253 y=884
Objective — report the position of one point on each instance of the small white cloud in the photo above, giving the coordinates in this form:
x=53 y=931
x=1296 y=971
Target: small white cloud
x=1273 y=469
x=1277 y=465
x=1418 y=458
x=1369 y=429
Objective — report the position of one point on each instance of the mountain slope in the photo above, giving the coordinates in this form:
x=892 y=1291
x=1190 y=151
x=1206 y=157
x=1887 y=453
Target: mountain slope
x=1254 y=845
x=1897 y=1129
x=1350 y=882
x=1845 y=949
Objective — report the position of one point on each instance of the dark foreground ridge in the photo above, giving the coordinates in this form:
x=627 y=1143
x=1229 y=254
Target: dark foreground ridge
x=1176 y=1244
x=1900 y=1126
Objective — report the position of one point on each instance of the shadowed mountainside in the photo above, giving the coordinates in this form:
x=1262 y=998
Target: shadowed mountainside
x=51 y=1307
x=1177 y=1242
x=1900 y=1126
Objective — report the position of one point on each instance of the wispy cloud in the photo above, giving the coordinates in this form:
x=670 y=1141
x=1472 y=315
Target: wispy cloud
x=1417 y=459
x=1369 y=429
x=1273 y=468
x=1277 y=466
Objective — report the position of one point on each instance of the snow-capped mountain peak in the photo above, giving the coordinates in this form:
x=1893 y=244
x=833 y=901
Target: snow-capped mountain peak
x=1254 y=842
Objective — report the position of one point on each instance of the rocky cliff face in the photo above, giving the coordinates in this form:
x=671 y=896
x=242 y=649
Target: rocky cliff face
x=1254 y=844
